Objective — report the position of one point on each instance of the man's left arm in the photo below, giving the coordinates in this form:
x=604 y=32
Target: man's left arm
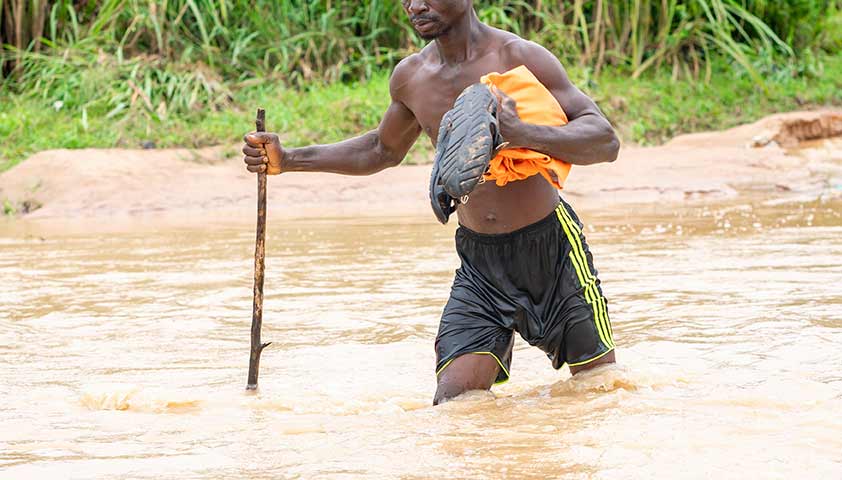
x=586 y=139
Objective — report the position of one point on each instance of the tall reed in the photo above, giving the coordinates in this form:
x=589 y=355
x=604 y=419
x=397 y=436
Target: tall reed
x=156 y=57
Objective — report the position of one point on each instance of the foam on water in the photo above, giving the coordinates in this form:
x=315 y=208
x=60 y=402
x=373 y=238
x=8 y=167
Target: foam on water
x=134 y=398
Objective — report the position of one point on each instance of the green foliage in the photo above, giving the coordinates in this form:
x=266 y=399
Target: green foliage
x=317 y=113
x=8 y=209
x=640 y=34
x=341 y=39
x=303 y=40
x=801 y=23
x=656 y=108
x=140 y=62
x=143 y=60
x=118 y=72
x=649 y=110
x=830 y=36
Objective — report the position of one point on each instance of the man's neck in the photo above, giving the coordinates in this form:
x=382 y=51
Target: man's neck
x=460 y=42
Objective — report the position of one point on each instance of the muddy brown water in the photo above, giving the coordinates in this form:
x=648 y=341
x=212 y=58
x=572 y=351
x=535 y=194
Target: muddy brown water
x=124 y=355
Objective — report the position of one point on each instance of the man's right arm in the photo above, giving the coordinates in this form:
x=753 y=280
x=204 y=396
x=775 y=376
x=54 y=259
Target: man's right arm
x=363 y=155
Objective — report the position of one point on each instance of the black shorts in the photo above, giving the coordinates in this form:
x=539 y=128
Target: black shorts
x=538 y=281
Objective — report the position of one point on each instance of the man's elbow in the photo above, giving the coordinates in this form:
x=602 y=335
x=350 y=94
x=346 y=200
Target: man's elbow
x=613 y=149
x=612 y=145
x=386 y=157
x=389 y=158
x=393 y=160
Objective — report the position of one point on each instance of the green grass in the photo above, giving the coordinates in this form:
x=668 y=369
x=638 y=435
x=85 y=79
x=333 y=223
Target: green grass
x=655 y=108
x=648 y=110
x=190 y=72
x=317 y=113
x=137 y=60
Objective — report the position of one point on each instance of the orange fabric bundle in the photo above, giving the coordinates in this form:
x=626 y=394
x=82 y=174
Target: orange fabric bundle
x=535 y=105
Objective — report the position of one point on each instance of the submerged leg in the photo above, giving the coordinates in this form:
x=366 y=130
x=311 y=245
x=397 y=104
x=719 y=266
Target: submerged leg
x=464 y=373
x=605 y=359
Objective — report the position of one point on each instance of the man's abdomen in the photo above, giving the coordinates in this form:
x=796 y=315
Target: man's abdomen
x=493 y=209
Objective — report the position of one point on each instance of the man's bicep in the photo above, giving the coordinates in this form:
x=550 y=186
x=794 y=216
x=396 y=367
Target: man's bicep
x=398 y=130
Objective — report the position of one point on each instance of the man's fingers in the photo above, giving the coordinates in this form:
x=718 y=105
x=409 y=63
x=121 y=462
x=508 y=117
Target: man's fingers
x=254 y=152
x=250 y=140
x=502 y=98
x=257 y=139
x=506 y=100
x=250 y=160
x=496 y=92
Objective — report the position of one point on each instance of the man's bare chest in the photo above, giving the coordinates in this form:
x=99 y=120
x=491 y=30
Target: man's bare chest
x=433 y=91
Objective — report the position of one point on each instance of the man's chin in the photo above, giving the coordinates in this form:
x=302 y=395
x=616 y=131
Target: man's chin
x=433 y=34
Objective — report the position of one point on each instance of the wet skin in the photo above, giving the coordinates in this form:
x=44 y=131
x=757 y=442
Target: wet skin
x=423 y=87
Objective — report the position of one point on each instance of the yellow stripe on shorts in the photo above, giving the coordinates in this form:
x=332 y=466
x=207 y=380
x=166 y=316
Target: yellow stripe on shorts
x=602 y=319
x=586 y=278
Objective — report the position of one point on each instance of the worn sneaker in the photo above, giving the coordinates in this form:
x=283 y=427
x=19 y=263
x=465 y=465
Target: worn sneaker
x=442 y=203
x=468 y=137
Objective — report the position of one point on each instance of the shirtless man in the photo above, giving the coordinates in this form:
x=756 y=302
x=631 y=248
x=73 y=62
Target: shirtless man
x=525 y=264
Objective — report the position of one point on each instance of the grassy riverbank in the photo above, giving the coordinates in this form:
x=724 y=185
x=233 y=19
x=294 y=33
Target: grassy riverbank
x=190 y=73
x=647 y=110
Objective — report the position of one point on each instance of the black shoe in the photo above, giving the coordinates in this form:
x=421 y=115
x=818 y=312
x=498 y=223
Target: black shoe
x=442 y=203
x=468 y=137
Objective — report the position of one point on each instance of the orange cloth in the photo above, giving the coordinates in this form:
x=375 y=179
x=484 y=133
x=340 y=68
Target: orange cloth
x=535 y=105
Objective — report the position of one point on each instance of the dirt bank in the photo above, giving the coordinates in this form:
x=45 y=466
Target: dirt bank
x=212 y=185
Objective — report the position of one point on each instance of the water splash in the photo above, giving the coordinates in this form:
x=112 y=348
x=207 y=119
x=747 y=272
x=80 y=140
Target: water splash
x=124 y=397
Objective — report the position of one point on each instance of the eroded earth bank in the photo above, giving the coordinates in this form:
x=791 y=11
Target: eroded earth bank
x=211 y=185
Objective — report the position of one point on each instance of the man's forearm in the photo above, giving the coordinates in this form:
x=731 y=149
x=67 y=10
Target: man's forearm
x=584 y=141
x=361 y=155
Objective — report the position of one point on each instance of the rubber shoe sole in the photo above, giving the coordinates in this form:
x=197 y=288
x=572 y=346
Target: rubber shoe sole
x=468 y=136
x=443 y=204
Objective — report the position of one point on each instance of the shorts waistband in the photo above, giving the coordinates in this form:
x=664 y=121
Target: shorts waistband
x=547 y=222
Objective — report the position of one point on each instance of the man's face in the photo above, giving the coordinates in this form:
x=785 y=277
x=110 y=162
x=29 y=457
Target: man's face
x=434 y=18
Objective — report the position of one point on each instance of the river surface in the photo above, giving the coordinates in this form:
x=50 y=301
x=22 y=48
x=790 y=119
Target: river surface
x=124 y=354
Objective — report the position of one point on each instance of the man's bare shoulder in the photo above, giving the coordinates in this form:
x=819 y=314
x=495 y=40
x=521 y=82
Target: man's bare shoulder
x=402 y=74
x=540 y=61
x=520 y=51
x=408 y=70
x=504 y=39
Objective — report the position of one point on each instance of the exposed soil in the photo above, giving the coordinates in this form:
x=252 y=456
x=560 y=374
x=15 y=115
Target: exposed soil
x=212 y=184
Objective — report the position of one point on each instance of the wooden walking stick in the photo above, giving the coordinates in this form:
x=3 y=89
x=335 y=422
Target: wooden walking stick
x=259 y=257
